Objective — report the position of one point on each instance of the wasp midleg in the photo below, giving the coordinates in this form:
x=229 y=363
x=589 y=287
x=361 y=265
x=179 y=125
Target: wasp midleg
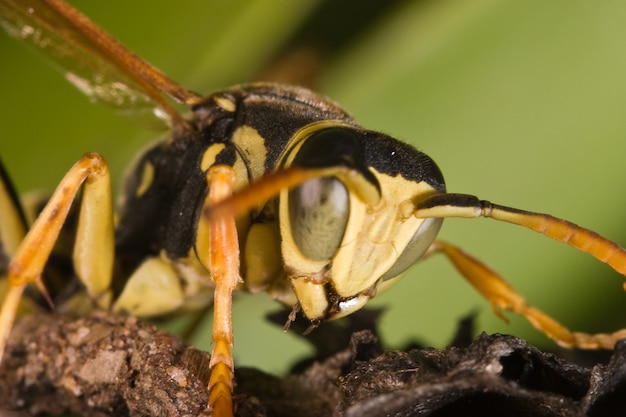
x=93 y=255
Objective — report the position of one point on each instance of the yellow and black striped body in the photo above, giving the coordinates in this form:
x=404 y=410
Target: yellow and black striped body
x=257 y=129
x=324 y=213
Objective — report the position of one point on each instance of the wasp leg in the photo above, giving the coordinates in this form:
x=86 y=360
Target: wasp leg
x=13 y=223
x=224 y=268
x=93 y=254
x=502 y=296
x=13 y=228
x=499 y=292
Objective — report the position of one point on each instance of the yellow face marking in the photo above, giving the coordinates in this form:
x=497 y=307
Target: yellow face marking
x=147 y=176
x=312 y=297
x=210 y=155
x=375 y=237
x=252 y=149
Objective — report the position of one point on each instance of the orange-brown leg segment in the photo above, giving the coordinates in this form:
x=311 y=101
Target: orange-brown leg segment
x=224 y=268
x=219 y=214
x=495 y=289
x=502 y=296
x=29 y=260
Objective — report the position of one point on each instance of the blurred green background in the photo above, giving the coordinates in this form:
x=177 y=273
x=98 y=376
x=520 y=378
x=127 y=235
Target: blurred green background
x=521 y=103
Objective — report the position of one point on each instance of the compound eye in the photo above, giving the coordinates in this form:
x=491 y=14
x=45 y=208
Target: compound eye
x=318 y=214
x=419 y=243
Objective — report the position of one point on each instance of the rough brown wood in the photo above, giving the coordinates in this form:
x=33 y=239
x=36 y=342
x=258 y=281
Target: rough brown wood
x=108 y=365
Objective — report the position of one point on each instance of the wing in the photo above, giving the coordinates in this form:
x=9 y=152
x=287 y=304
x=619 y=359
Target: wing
x=92 y=60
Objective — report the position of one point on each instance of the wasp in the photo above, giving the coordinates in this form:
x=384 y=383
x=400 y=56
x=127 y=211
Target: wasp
x=261 y=187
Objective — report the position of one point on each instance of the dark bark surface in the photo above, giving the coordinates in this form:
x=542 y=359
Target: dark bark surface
x=106 y=365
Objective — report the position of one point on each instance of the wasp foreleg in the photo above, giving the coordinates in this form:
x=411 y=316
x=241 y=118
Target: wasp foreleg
x=224 y=267
x=502 y=296
x=499 y=292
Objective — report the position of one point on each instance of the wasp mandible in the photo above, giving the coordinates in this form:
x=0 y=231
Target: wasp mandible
x=255 y=171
